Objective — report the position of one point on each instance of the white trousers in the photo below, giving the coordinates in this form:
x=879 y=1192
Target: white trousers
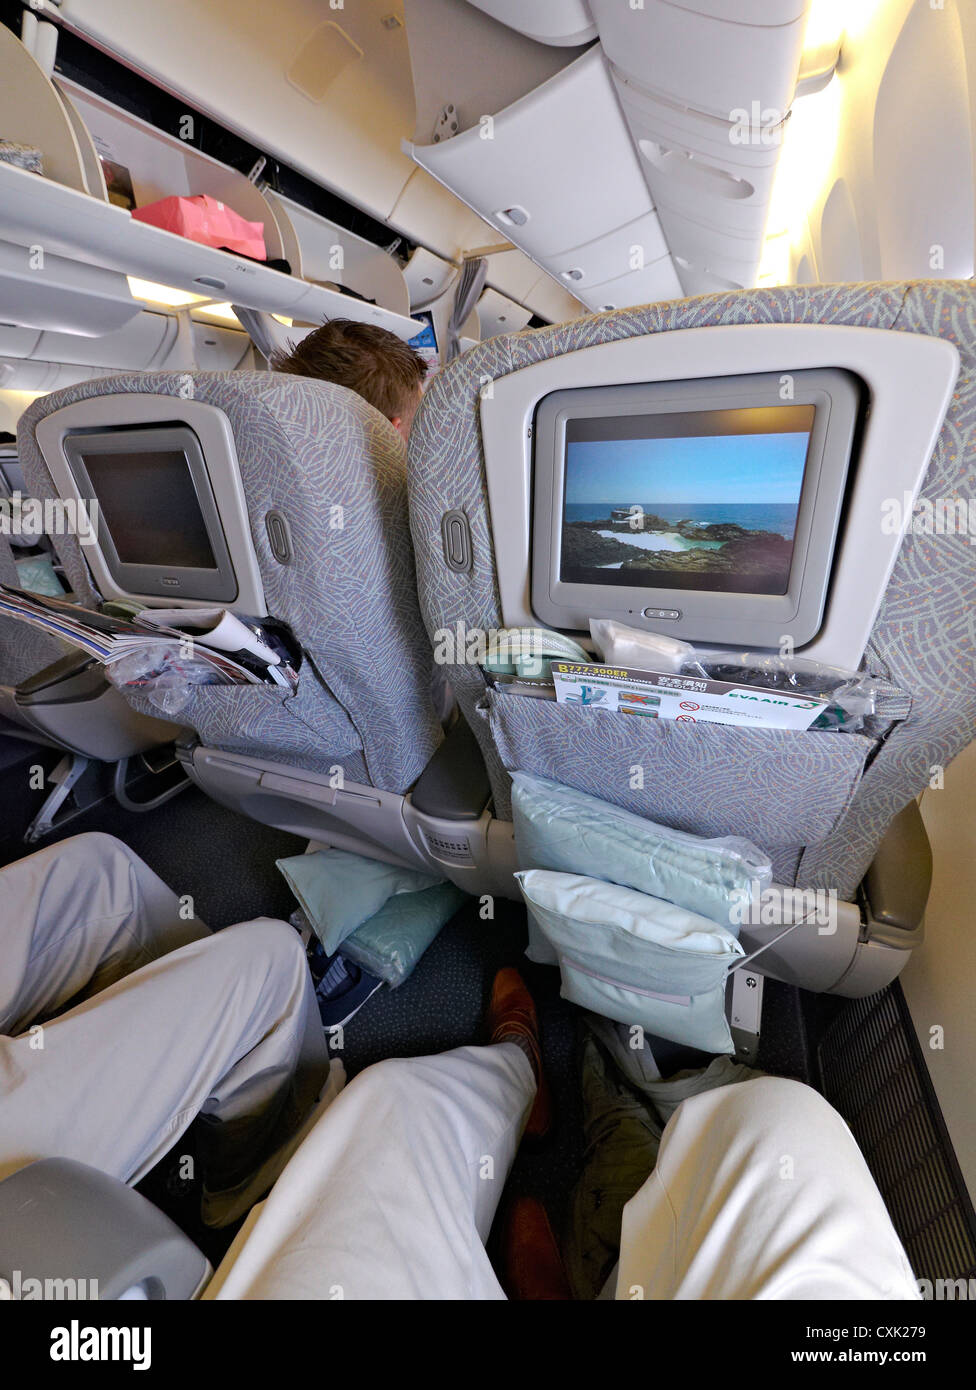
x=759 y=1192
x=120 y=1022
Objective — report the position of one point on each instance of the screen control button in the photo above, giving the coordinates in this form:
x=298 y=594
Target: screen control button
x=670 y=613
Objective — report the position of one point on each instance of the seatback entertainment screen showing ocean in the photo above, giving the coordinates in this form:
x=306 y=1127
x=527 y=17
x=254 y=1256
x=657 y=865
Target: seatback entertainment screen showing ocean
x=697 y=500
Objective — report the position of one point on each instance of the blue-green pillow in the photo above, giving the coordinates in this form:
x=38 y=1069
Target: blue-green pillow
x=338 y=891
x=569 y=831
x=390 y=944
x=635 y=958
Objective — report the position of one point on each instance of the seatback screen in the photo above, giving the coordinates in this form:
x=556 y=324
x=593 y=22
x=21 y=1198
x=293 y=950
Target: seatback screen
x=149 y=505
x=704 y=500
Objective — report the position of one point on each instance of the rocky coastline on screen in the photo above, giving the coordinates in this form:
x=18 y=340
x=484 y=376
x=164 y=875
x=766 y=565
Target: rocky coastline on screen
x=742 y=551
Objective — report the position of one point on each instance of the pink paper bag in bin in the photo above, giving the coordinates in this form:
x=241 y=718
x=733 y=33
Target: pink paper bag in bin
x=203 y=219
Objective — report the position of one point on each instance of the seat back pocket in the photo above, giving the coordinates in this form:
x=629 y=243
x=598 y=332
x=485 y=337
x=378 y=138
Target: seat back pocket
x=283 y=726
x=776 y=787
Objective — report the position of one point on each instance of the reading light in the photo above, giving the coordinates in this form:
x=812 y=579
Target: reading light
x=223 y=312
x=152 y=293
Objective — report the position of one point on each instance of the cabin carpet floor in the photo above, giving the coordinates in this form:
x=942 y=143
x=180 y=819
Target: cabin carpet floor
x=228 y=864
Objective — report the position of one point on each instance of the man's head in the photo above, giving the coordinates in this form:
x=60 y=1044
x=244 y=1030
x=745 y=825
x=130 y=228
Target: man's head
x=371 y=361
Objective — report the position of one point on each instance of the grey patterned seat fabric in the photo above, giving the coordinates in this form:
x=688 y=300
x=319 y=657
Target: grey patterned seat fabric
x=23 y=650
x=348 y=593
x=923 y=643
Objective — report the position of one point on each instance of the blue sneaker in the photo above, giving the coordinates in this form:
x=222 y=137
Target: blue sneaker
x=342 y=990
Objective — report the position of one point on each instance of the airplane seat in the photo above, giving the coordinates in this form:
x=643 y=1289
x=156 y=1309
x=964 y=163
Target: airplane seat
x=308 y=488
x=24 y=651
x=53 y=696
x=835 y=811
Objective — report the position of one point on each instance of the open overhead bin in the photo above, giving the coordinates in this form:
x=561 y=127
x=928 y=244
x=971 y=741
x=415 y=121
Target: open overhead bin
x=80 y=228
x=78 y=240
x=33 y=112
x=428 y=277
x=319 y=250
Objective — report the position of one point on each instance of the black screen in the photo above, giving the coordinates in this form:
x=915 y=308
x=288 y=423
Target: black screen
x=150 y=507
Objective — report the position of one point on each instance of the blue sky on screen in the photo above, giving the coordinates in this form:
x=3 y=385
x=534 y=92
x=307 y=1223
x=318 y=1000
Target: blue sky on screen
x=711 y=468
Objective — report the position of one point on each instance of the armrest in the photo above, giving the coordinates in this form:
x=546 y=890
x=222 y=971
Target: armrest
x=454 y=785
x=72 y=1227
x=73 y=677
x=896 y=886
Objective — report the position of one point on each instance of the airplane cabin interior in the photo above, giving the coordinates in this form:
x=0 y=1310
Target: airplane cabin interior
x=487 y=653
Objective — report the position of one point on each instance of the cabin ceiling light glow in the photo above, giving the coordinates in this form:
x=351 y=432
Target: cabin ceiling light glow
x=152 y=293
x=809 y=149
x=826 y=22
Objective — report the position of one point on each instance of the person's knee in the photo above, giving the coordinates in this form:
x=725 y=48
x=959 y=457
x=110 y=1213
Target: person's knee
x=94 y=852
x=394 y=1078
x=772 y=1106
x=269 y=951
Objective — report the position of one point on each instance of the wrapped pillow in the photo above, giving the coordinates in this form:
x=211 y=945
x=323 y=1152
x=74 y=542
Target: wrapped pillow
x=390 y=944
x=634 y=958
x=559 y=828
x=338 y=891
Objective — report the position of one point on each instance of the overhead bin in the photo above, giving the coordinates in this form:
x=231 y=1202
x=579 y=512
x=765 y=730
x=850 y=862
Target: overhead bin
x=713 y=56
x=547 y=21
x=705 y=89
x=428 y=277
x=553 y=303
x=92 y=173
x=699 y=165
x=151 y=340
x=558 y=169
x=16 y=375
x=143 y=342
x=68 y=214
x=161 y=166
x=618 y=253
x=732 y=258
x=33 y=113
x=465 y=64
x=83 y=229
x=39 y=289
x=216 y=349
x=647 y=285
x=497 y=314
x=317 y=249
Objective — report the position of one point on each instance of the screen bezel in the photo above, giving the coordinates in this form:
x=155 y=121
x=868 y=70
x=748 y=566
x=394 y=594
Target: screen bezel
x=702 y=615
x=218 y=584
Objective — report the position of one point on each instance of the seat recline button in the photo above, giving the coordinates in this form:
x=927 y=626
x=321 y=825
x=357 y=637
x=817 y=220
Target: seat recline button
x=456 y=539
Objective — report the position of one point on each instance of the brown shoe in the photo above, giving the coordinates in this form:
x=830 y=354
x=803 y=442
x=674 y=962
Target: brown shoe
x=532 y=1267
x=512 y=1018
